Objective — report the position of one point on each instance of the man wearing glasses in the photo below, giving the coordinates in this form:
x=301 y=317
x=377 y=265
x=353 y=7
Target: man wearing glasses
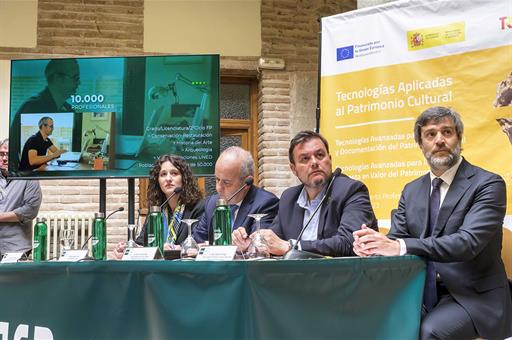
x=19 y=205
x=35 y=153
x=63 y=78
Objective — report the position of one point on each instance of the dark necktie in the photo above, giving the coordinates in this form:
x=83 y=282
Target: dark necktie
x=232 y=209
x=430 y=292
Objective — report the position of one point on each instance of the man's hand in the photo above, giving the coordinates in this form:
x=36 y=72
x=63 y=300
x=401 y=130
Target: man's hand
x=171 y=246
x=57 y=153
x=240 y=239
x=9 y=216
x=369 y=242
x=276 y=246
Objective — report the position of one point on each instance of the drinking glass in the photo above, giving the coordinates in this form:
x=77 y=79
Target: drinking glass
x=189 y=247
x=132 y=230
x=67 y=239
x=258 y=247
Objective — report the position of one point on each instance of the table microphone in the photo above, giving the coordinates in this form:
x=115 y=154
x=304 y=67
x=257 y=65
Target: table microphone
x=113 y=212
x=296 y=254
x=248 y=182
x=106 y=218
x=177 y=190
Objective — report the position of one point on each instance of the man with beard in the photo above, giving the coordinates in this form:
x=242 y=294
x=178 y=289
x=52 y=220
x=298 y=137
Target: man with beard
x=19 y=205
x=453 y=217
x=345 y=208
x=35 y=151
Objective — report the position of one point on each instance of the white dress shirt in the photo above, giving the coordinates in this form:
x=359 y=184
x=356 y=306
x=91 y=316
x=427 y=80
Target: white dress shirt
x=447 y=178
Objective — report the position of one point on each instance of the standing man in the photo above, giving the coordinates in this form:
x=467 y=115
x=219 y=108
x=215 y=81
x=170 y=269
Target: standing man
x=452 y=216
x=35 y=151
x=330 y=231
x=234 y=166
x=19 y=205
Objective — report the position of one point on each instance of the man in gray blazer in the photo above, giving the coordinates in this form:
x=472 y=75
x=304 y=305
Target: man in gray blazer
x=452 y=216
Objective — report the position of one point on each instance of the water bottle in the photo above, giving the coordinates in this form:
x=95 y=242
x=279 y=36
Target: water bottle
x=222 y=224
x=40 y=235
x=155 y=228
x=99 y=237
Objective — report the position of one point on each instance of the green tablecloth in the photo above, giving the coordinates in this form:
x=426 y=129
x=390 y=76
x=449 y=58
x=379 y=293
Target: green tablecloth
x=349 y=298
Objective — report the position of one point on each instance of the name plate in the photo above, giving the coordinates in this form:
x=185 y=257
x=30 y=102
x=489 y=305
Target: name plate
x=216 y=253
x=141 y=254
x=11 y=257
x=72 y=255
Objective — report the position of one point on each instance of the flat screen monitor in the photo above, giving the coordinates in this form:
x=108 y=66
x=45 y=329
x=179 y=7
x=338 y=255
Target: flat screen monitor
x=113 y=116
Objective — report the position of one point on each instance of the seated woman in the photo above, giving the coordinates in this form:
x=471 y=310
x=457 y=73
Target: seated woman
x=168 y=173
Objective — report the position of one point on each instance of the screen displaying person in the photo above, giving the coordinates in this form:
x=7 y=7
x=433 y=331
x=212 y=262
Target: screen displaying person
x=62 y=78
x=453 y=217
x=39 y=149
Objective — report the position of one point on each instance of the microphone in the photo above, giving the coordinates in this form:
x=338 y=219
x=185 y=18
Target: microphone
x=177 y=190
x=113 y=212
x=248 y=182
x=294 y=253
x=106 y=218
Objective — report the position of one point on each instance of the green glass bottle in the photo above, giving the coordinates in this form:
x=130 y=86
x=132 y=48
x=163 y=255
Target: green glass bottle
x=155 y=228
x=40 y=236
x=99 y=237
x=222 y=224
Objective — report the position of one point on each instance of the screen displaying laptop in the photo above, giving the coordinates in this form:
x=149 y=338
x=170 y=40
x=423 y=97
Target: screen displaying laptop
x=126 y=111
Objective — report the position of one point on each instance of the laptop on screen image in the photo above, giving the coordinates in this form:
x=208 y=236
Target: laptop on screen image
x=62 y=134
x=70 y=156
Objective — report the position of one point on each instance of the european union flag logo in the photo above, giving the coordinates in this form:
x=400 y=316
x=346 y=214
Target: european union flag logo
x=344 y=53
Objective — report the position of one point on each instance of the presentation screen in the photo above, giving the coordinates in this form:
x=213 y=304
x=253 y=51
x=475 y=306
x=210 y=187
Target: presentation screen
x=112 y=116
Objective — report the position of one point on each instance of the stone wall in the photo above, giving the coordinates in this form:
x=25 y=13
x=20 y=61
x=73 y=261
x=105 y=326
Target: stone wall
x=286 y=100
x=92 y=27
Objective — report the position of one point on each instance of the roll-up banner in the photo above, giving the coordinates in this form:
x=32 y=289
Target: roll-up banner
x=382 y=66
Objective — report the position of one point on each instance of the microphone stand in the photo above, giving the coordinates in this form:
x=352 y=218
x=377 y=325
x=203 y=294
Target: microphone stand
x=177 y=190
x=248 y=182
x=294 y=253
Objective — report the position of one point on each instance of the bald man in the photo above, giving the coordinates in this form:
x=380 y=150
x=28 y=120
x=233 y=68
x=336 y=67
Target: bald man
x=234 y=166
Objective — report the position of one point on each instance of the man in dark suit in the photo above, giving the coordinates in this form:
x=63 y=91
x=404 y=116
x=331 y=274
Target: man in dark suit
x=234 y=166
x=347 y=204
x=453 y=217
